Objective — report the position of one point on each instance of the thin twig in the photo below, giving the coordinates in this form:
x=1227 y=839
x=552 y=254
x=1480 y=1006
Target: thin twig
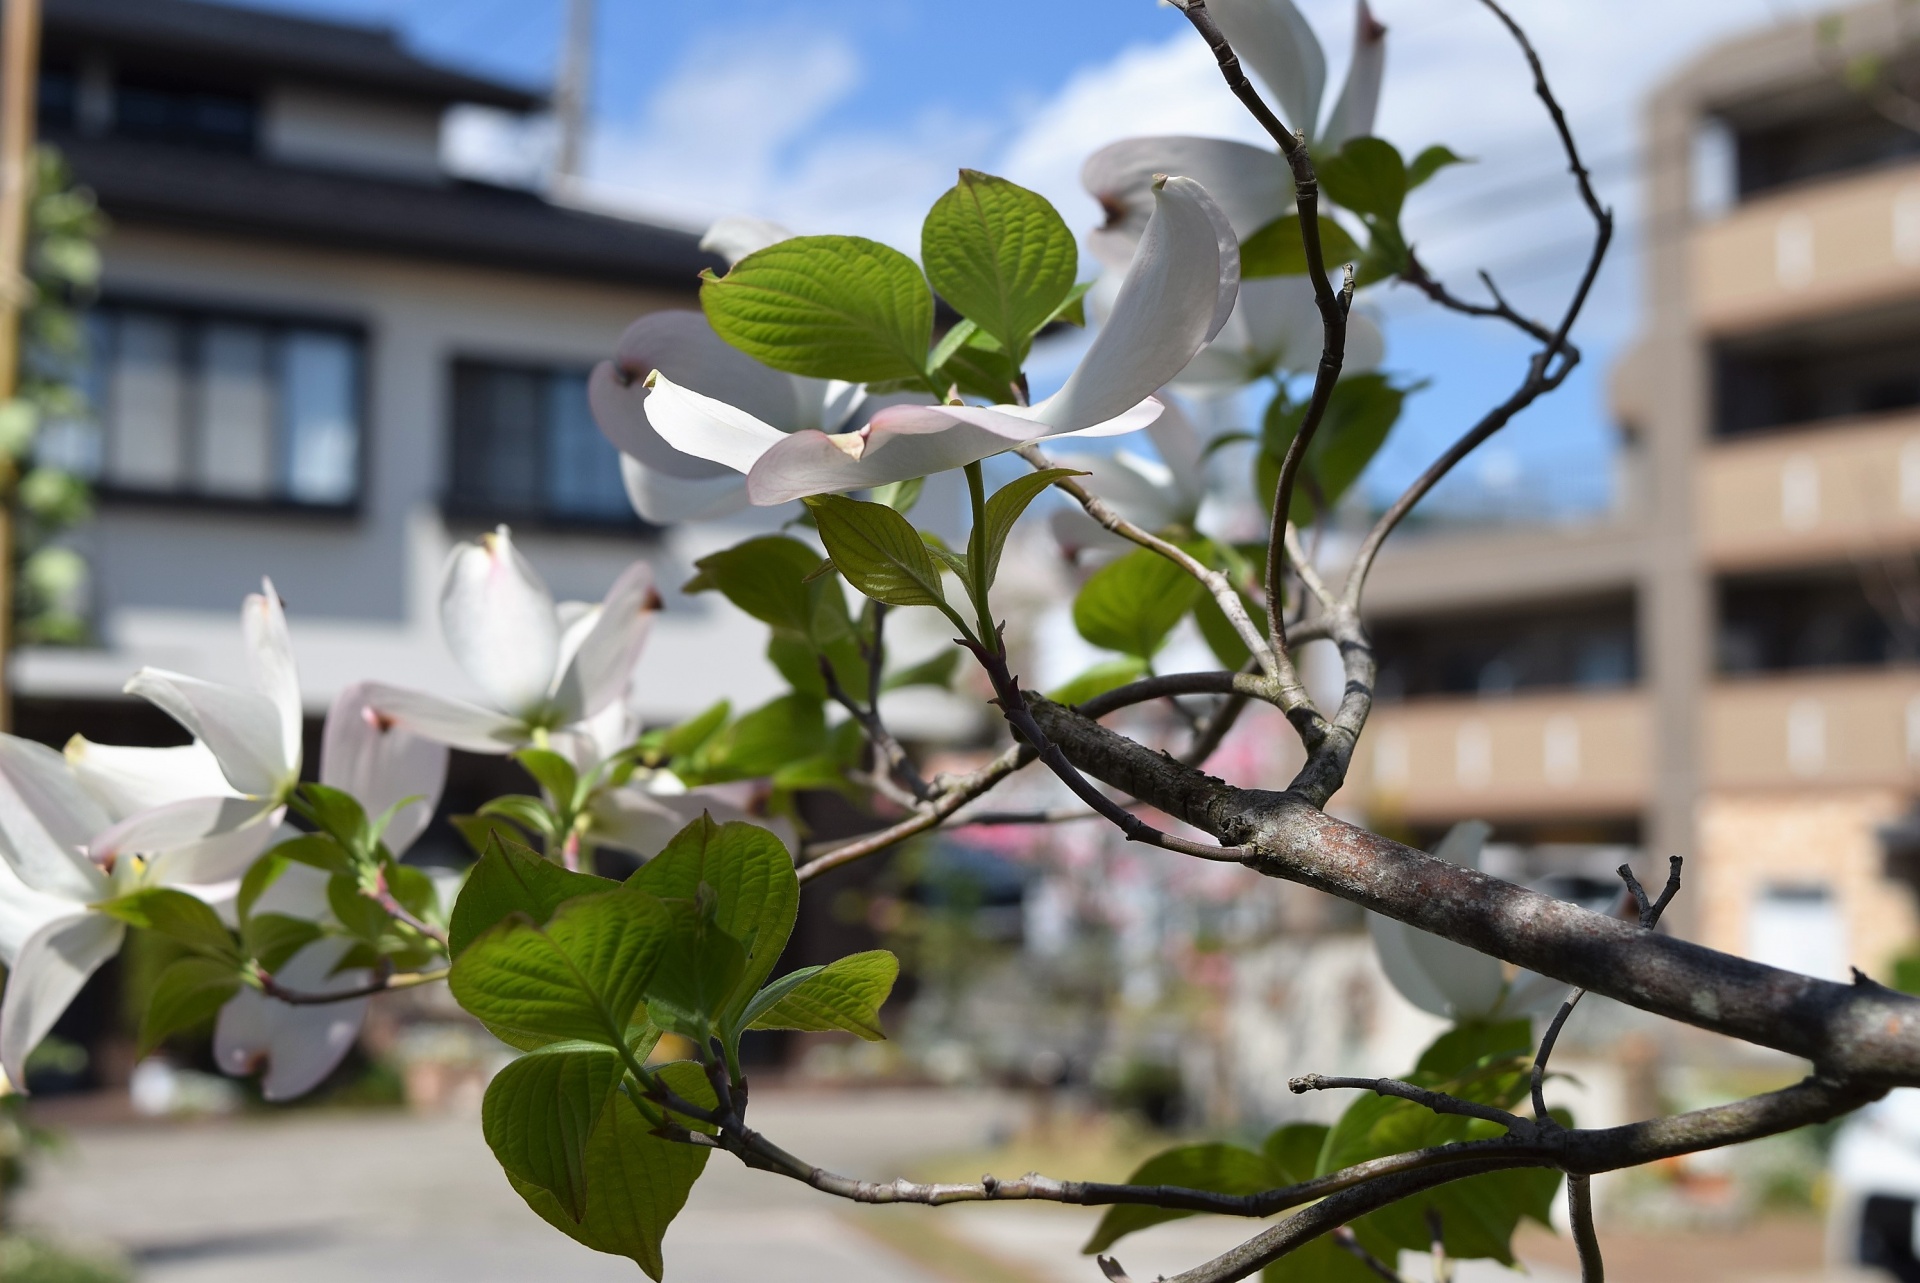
x=1379 y=1268
x=951 y=795
x=1437 y=1101
x=387 y=984
x=1580 y=1218
x=899 y=764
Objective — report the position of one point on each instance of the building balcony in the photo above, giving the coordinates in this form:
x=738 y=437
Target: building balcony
x=1826 y=494
x=1551 y=755
x=1814 y=730
x=1829 y=246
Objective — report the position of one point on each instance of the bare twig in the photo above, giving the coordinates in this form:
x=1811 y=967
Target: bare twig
x=1379 y=1268
x=385 y=984
x=950 y=796
x=898 y=763
x=1580 y=1216
x=1437 y=1101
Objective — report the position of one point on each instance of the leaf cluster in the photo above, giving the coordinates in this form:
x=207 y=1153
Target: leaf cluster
x=1369 y=178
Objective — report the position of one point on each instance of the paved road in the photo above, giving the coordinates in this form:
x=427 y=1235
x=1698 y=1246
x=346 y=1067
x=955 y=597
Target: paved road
x=330 y=1197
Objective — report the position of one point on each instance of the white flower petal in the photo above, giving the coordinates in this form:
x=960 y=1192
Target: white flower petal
x=1273 y=38
x=50 y=970
x=300 y=1045
x=900 y=443
x=644 y=821
x=1252 y=185
x=706 y=427
x=449 y=721
x=598 y=670
x=24 y=911
x=241 y=727
x=126 y=780
x=735 y=237
x=1144 y=492
x=212 y=866
x=1472 y=983
x=1352 y=115
x=46 y=822
x=381 y=763
x=1178 y=293
x=667 y=500
x=177 y=824
x=263 y=623
x=498 y=620
x=1390 y=943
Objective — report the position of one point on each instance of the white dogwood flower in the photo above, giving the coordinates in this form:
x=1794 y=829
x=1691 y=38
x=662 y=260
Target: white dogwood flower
x=541 y=665
x=365 y=753
x=1177 y=294
x=1451 y=980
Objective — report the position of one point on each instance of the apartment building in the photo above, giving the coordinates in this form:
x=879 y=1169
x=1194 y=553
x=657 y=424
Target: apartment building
x=1728 y=668
x=321 y=354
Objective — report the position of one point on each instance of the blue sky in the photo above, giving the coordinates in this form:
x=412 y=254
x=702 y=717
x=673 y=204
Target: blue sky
x=851 y=115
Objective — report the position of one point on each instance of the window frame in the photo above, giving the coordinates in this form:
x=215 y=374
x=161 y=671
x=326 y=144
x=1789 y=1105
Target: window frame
x=482 y=512
x=197 y=315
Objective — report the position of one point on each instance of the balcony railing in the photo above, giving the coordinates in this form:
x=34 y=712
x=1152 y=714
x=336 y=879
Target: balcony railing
x=1822 y=730
x=1819 y=495
x=1827 y=246
x=1503 y=757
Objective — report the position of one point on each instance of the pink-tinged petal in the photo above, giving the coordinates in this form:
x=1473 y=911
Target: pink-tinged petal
x=51 y=968
x=900 y=443
x=381 y=763
x=668 y=500
x=263 y=622
x=735 y=237
x=602 y=661
x=1273 y=38
x=498 y=620
x=684 y=347
x=1252 y=185
x=46 y=822
x=1352 y=115
x=299 y=1045
x=177 y=824
x=706 y=427
x=125 y=780
x=1178 y=293
x=241 y=727
x=643 y=823
x=449 y=721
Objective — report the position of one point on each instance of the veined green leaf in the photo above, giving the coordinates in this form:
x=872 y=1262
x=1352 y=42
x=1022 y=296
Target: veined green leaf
x=188 y=993
x=829 y=307
x=335 y=812
x=1001 y=254
x=272 y=938
x=1361 y=411
x=1004 y=508
x=636 y=1182
x=361 y=917
x=756 y=894
x=1277 y=250
x=767 y=578
x=553 y=773
x=511 y=879
x=540 y=1112
x=844 y=995
x=1132 y=603
x=580 y=976
x=878 y=551
x=763 y=740
x=700 y=970
x=1366 y=176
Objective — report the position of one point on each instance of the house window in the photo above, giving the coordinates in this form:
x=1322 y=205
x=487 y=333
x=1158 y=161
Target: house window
x=177 y=112
x=203 y=405
x=525 y=448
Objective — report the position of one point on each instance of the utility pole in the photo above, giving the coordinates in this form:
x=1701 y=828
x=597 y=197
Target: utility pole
x=19 y=86
x=572 y=89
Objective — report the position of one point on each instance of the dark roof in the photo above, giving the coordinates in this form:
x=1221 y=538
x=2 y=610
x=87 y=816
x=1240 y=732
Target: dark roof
x=252 y=45
x=457 y=222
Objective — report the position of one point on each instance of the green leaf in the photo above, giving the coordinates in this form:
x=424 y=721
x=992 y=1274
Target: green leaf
x=361 y=917
x=540 y=1112
x=1367 y=176
x=529 y=812
x=272 y=938
x=981 y=367
x=1000 y=254
x=1004 y=508
x=1470 y=1045
x=177 y=915
x=767 y=578
x=1222 y=638
x=1223 y=1169
x=878 y=551
x=1361 y=411
x=1277 y=250
x=1430 y=162
x=764 y=740
x=413 y=890
x=756 y=893
x=937 y=671
x=949 y=345
x=843 y=995
x=260 y=875
x=187 y=994
x=828 y=307
x=336 y=813
x=1073 y=308
x=1293 y=1151
x=700 y=970
x=553 y=773
x=900 y=495
x=1098 y=680
x=580 y=976
x=317 y=851
x=1321 y=1260
x=1131 y=604
x=688 y=736
x=636 y=1182
x=511 y=879
x=482 y=831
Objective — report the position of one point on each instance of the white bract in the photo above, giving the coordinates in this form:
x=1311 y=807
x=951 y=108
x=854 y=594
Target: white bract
x=1451 y=980
x=1154 y=494
x=366 y=754
x=541 y=665
x=1177 y=294
x=1274 y=332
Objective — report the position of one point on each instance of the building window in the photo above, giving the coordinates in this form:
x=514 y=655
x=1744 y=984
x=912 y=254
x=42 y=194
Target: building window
x=161 y=111
x=206 y=405
x=525 y=448
x=1837 y=617
x=1575 y=644
x=1850 y=137
x=1864 y=367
